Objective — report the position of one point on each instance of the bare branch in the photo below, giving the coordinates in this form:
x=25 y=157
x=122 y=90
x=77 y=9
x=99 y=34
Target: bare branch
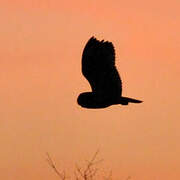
x=51 y=163
x=79 y=171
x=89 y=171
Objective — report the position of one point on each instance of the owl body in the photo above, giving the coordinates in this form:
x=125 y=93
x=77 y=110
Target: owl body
x=98 y=67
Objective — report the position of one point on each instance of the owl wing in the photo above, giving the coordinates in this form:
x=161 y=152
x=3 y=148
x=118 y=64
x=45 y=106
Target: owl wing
x=98 y=66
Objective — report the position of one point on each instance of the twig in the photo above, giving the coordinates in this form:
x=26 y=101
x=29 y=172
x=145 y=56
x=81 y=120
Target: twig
x=89 y=172
x=51 y=163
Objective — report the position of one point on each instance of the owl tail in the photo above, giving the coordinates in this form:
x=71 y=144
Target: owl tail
x=126 y=100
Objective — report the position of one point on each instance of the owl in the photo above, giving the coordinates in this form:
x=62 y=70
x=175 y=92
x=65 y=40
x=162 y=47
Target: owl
x=98 y=67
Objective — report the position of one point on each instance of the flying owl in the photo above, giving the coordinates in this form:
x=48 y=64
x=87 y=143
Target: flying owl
x=98 y=67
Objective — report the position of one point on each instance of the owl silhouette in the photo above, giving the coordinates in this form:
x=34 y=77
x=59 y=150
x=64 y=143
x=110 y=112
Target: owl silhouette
x=98 y=67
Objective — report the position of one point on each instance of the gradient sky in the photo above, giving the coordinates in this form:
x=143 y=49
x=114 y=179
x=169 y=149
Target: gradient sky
x=40 y=79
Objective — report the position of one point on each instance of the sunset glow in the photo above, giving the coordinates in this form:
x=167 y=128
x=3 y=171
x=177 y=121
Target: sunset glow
x=40 y=78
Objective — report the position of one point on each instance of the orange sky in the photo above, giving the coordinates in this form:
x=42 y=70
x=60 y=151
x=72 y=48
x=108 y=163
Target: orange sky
x=40 y=79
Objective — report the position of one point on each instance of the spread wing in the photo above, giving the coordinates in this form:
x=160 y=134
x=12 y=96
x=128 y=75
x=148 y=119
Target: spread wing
x=98 y=66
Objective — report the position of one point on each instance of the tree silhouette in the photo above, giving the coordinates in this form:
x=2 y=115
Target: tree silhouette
x=89 y=172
